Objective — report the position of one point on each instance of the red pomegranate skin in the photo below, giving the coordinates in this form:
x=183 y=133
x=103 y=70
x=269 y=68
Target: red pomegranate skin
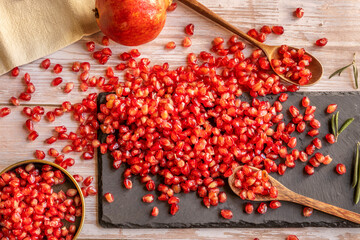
x=131 y=22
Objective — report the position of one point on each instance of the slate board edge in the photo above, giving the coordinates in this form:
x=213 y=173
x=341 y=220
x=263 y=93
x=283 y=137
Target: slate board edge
x=240 y=224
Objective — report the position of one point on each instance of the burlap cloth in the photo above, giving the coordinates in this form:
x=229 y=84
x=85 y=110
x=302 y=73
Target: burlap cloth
x=31 y=29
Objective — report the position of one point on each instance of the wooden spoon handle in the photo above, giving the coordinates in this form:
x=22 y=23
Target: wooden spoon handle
x=325 y=207
x=201 y=9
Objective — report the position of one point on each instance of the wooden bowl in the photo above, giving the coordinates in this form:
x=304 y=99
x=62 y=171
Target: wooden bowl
x=70 y=183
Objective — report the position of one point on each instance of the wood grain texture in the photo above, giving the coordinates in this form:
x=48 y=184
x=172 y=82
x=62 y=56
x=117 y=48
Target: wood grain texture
x=335 y=19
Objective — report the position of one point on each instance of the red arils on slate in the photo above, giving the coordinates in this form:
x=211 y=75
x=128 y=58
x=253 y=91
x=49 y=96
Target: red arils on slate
x=317 y=143
x=174 y=208
x=330 y=138
x=249 y=208
x=109 y=197
x=128 y=183
x=187 y=42
x=305 y=102
x=189 y=29
x=227 y=214
x=299 y=12
x=313 y=132
x=5 y=111
x=283 y=97
x=321 y=42
x=309 y=169
x=277 y=30
x=294 y=111
x=291 y=237
x=275 y=204
x=262 y=208
x=340 y=168
x=15 y=72
x=155 y=211
x=57 y=69
x=314 y=123
x=331 y=108
x=170 y=45
x=307 y=211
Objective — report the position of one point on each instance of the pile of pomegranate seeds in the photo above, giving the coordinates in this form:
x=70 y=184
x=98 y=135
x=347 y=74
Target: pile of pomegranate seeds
x=252 y=183
x=292 y=64
x=29 y=206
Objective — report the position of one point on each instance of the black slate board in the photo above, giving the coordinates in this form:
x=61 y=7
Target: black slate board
x=128 y=211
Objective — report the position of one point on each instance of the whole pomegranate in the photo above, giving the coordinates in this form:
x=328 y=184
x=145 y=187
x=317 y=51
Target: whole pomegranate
x=131 y=22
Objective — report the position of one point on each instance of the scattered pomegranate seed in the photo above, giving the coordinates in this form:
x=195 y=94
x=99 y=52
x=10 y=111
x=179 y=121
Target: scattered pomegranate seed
x=309 y=169
x=314 y=123
x=227 y=214
x=148 y=198
x=313 y=132
x=277 y=30
x=265 y=29
x=340 y=168
x=90 y=46
x=275 y=204
x=39 y=154
x=91 y=191
x=57 y=81
x=331 y=108
x=174 y=208
x=327 y=160
x=68 y=87
x=25 y=96
x=88 y=181
x=283 y=97
x=291 y=237
x=78 y=178
x=105 y=41
x=170 y=45
x=189 y=29
x=128 y=183
x=299 y=12
x=321 y=42
x=330 y=138
x=305 y=102
x=57 y=69
x=155 y=211
x=5 y=111
x=262 y=208
x=33 y=135
x=187 y=42
x=249 y=208
x=172 y=7
x=15 y=72
x=109 y=197
x=253 y=33
x=45 y=64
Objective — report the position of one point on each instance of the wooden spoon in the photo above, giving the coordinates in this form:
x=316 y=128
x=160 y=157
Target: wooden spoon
x=286 y=194
x=271 y=51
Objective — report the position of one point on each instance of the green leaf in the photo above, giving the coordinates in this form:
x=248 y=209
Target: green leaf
x=339 y=71
x=346 y=124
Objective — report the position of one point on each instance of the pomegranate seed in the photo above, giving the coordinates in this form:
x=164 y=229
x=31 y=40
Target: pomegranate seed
x=75 y=67
x=249 y=208
x=45 y=64
x=292 y=142
x=327 y=160
x=148 y=198
x=27 y=78
x=29 y=125
x=39 y=154
x=15 y=72
x=4 y=111
x=78 y=178
x=155 y=211
x=317 y=143
x=305 y=102
x=91 y=190
x=172 y=7
x=283 y=97
x=57 y=81
x=14 y=101
x=262 y=208
x=53 y=152
x=109 y=197
x=321 y=42
x=330 y=138
x=68 y=87
x=277 y=30
x=174 y=208
x=187 y=42
x=309 y=169
x=227 y=214
x=253 y=33
x=90 y=46
x=294 y=111
x=25 y=96
x=291 y=237
x=299 y=12
x=331 y=108
x=307 y=211
x=170 y=45
x=88 y=181
x=57 y=69
x=340 y=168
x=275 y=204
x=265 y=29
x=33 y=135
x=128 y=183
x=105 y=41
x=189 y=29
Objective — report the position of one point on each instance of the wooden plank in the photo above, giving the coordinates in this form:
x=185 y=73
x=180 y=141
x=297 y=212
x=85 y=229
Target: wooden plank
x=334 y=19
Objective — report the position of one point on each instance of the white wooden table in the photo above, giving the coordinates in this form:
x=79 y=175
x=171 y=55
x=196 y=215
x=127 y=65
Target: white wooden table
x=335 y=19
